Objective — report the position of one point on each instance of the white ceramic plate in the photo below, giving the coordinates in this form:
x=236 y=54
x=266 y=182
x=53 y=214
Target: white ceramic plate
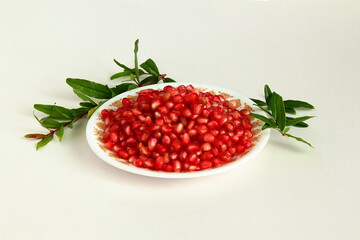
x=93 y=135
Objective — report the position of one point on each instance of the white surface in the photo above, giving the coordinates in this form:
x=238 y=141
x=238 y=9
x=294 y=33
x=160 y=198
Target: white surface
x=93 y=141
x=305 y=49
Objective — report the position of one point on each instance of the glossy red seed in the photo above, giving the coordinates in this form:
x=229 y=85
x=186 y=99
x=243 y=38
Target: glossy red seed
x=206 y=147
x=192 y=147
x=205 y=164
x=152 y=143
x=178 y=128
x=104 y=113
x=209 y=137
x=177 y=166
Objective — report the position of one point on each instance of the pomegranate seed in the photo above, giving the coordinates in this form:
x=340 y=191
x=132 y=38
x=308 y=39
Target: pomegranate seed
x=114 y=137
x=176 y=145
x=152 y=143
x=173 y=117
x=178 y=128
x=197 y=108
x=205 y=164
x=177 y=166
x=173 y=156
x=192 y=132
x=138 y=163
x=209 y=137
x=206 y=147
x=185 y=139
x=183 y=155
x=159 y=163
x=123 y=154
x=244 y=112
x=104 y=113
x=202 y=129
x=166 y=140
x=165 y=129
x=192 y=147
x=109 y=145
x=246 y=123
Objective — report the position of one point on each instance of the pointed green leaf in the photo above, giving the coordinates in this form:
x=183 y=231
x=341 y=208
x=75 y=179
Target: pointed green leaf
x=266 y=126
x=299 y=139
x=59 y=133
x=56 y=112
x=51 y=123
x=150 y=66
x=122 y=65
x=286 y=129
x=44 y=141
x=301 y=125
x=166 y=80
x=290 y=110
x=83 y=97
x=120 y=74
x=87 y=105
x=89 y=88
x=268 y=94
x=278 y=110
x=269 y=121
x=258 y=102
x=123 y=88
x=297 y=120
x=297 y=104
x=149 y=80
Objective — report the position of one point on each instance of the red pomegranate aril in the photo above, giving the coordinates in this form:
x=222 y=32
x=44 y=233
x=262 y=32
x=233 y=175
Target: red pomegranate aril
x=185 y=138
x=131 y=141
x=183 y=155
x=232 y=151
x=247 y=143
x=192 y=147
x=213 y=124
x=177 y=166
x=109 y=145
x=207 y=156
x=226 y=156
x=217 y=162
x=192 y=158
x=104 y=113
x=245 y=112
x=144 y=150
x=168 y=88
x=202 y=129
x=246 y=123
x=173 y=156
x=169 y=105
x=178 y=128
x=206 y=147
x=163 y=110
x=166 y=96
x=197 y=108
x=193 y=168
x=166 y=140
x=114 y=137
x=161 y=149
x=192 y=132
x=205 y=113
x=159 y=163
x=179 y=106
x=209 y=137
x=152 y=143
x=191 y=97
x=177 y=99
x=168 y=168
x=205 y=164
x=173 y=117
x=202 y=120
x=186 y=113
x=240 y=148
x=215 y=151
x=132 y=151
x=123 y=154
x=165 y=129
x=176 y=146
x=190 y=124
x=138 y=163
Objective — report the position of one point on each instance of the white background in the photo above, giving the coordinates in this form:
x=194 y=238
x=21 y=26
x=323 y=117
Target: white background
x=307 y=50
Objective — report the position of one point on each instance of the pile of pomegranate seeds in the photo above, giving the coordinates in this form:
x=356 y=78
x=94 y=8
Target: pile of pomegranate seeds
x=177 y=129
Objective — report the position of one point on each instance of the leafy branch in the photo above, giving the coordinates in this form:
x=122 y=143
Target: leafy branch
x=93 y=95
x=276 y=108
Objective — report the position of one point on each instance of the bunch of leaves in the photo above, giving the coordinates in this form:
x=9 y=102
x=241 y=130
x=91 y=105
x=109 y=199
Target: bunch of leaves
x=276 y=109
x=93 y=95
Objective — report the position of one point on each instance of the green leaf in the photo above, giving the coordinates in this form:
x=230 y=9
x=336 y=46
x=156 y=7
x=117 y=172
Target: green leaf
x=136 y=49
x=70 y=125
x=286 y=130
x=120 y=74
x=91 y=111
x=87 y=105
x=56 y=112
x=122 y=65
x=269 y=121
x=150 y=66
x=268 y=94
x=278 y=110
x=297 y=104
x=149 y=80
x=301 y=125
x=297 y=120
x=290 y=110
x=89 y=88
x=166 y=80
x=83 y=97
x=51 y=123
x=59 y=133
x=123 y=88
x=299 y=139
x=258 y=102
x=44 y=141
